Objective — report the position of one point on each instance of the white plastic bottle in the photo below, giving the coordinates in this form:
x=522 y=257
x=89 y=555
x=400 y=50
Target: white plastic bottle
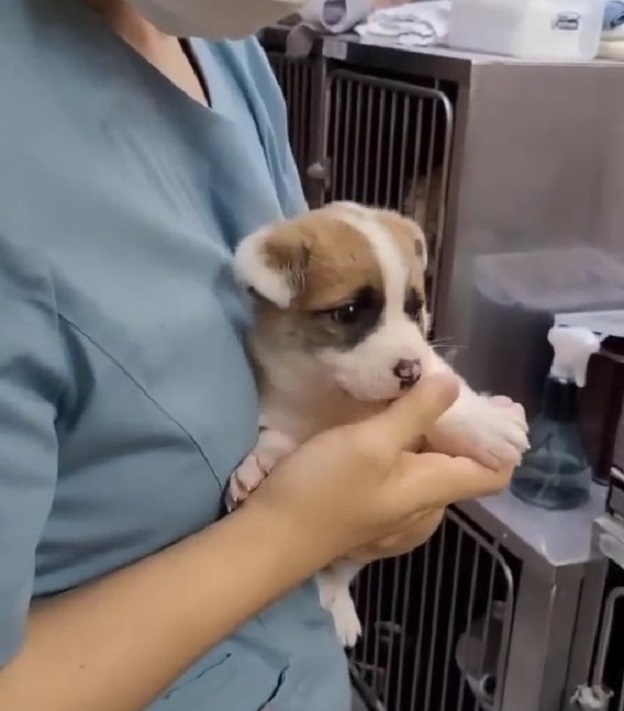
x=555 y=472
x=528 y=29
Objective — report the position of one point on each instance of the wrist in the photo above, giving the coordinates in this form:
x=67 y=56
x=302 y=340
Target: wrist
x=292 y=547
x=270 y=553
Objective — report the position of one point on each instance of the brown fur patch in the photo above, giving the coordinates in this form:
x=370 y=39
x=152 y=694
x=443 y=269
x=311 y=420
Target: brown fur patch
x=328 y=262
x=325 y=259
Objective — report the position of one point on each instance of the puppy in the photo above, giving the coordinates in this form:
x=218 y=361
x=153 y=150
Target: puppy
x=340 y=331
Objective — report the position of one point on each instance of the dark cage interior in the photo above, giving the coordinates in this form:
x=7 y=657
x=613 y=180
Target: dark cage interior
x=609 y=651
x=437 y=624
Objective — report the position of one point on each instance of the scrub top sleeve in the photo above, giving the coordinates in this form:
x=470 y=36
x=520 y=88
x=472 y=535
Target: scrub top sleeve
x=30 y=385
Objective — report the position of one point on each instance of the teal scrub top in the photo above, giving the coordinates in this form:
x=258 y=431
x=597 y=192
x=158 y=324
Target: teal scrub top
x=125 y=396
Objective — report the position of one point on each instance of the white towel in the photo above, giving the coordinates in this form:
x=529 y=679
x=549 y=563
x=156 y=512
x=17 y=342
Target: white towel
x=416 y=24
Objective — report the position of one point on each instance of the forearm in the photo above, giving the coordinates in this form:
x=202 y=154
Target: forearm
x=115 y=645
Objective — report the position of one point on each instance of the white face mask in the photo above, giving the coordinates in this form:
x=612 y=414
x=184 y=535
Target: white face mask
x=215 y=19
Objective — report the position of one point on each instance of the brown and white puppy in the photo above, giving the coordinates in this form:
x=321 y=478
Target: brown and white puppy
x=340 y=331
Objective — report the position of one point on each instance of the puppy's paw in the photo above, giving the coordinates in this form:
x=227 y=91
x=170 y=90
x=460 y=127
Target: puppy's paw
x=245 y=479
x=336 y=598
x=346 y=620
x=272 y=446
x=493 y=431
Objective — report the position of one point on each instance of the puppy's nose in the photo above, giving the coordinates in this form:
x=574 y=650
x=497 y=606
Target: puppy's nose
x=408 y=372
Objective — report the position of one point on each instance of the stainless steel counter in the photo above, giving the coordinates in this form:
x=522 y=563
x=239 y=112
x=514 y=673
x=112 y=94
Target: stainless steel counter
x=542 y=539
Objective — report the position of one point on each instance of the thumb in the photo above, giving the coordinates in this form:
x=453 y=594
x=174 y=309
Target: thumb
x=401 y=424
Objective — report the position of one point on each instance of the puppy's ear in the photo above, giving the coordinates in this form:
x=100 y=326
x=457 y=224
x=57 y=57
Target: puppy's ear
x=272 y=262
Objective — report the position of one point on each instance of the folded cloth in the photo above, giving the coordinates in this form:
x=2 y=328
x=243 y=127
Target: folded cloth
x=613 y=14
x=325 y=17
x=415 y=24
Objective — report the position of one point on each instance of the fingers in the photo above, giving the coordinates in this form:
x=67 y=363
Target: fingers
x=472 y=480
x=414 y=532
x=418 y=529
x=506 y=455
x=406 y=419
x=434 y=481
x=492 y=460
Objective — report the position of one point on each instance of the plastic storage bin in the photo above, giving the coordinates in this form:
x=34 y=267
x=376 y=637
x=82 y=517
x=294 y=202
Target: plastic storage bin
x=528 y=29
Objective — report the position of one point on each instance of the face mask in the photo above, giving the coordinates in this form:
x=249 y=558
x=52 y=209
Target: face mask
x=214 y=19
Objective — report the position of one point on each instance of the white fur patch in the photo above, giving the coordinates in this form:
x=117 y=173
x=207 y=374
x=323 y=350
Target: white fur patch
x=391 y=261
x=251 y=270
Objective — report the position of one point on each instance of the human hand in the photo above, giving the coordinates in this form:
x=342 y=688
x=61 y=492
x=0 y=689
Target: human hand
x=412 y=534
x=419 y=527
x=357 y=488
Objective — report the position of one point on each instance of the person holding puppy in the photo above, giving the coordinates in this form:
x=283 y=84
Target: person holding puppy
x=132 y=161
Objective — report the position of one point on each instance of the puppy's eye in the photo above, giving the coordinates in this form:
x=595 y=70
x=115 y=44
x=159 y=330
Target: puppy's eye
x=413 y=304
x=345 y=314
x=364 y=307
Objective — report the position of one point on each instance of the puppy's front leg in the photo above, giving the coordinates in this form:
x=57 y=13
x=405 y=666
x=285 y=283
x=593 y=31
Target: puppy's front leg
x=272 y=446
x=476 y=427
x=333 y=584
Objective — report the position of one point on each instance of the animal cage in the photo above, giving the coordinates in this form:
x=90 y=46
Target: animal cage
x=605 y=689
x=499 y=611
x=609 y=667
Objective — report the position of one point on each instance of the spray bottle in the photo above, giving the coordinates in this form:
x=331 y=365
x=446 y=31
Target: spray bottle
x=555 y=472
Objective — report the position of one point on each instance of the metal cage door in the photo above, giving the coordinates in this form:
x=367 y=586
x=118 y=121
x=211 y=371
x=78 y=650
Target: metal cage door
x=437 y=625
x=607 y=690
